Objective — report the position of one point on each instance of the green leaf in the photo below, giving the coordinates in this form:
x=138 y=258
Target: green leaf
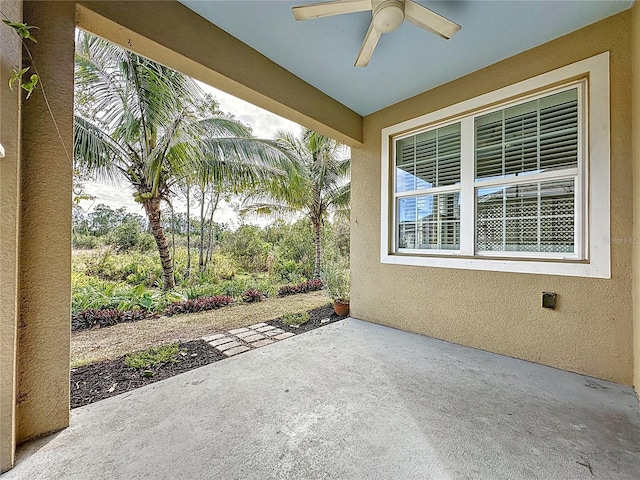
x=16 y=76
x=22 y=29
x=29 y=86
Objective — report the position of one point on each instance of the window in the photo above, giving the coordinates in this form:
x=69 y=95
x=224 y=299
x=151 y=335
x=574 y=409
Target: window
x=501 y=182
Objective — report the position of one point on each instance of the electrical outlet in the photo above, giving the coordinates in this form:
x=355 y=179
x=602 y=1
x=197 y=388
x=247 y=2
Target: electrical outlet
x=549 y=300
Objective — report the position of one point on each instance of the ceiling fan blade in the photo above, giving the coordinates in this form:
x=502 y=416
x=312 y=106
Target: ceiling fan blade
x=425 y=18
x=368 y=46
x=327 y=9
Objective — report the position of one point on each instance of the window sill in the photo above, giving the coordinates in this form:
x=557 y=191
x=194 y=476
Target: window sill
x=571 y=268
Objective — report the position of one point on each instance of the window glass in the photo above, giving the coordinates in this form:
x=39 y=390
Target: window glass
x=537 y=217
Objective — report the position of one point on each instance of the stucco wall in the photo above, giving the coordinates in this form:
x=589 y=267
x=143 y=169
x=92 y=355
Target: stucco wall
x=636 y=192
x=45 y=235
x=9 y=181
x=591 y=330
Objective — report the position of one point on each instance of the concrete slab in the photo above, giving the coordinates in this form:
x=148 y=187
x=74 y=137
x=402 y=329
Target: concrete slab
x=352 y=400
x=263 y=343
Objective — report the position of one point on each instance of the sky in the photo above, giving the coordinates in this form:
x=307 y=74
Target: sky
x=264 y=124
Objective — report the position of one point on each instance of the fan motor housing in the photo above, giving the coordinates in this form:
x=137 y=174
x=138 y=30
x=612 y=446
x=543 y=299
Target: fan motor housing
x=388 y=15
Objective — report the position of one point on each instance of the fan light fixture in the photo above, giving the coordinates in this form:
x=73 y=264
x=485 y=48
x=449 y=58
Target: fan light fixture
x=387 y=16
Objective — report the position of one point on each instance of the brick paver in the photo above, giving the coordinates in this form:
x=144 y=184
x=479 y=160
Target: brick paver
x=274 y=332
x=220 y=341
x=254 y=338
x=227 y=346
x=234 y=351
x=258 y=325
x=248 y=333
x=211 y=338
x=238 y=330
x=265 y=329
x=244 y=339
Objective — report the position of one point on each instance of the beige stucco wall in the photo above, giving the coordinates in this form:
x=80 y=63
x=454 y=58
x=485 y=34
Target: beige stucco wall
x=9 y=186
x=591 y=330
x=45 y=234
x=636 y=191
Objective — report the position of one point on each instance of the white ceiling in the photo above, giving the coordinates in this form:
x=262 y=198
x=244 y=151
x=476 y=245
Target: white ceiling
x=407 y=61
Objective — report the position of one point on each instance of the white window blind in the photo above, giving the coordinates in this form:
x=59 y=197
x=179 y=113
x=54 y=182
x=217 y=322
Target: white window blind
x=427 y=186
x=525 y=171
x=535 y=137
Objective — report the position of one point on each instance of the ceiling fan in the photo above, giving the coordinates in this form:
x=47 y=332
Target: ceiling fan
x=387 y=16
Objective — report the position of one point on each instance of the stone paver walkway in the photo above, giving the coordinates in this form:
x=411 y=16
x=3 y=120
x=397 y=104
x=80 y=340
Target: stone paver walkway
x=243 y=339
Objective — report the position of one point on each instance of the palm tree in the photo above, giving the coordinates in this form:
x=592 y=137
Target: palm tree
x=321 y=187
x=148 y=125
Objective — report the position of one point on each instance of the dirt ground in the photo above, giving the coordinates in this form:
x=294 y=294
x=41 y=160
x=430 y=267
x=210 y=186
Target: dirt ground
x=96 y=381
x=90 y=346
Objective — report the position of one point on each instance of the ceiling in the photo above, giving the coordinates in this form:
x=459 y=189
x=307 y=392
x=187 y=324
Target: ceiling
x=406 y=61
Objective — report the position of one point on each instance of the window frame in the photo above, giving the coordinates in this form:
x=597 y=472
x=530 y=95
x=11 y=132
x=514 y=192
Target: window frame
x=591 y=256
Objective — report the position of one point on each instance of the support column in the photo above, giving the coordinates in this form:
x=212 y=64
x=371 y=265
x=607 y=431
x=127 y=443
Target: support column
x=45 y=226
x=635 y=135
x=10 y=58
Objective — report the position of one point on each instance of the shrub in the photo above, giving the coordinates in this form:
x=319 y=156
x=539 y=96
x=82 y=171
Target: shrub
x=85 y=242
x=338 y=281
x=304 y=287
x=153 y=356
x=250 y=296
x=105 y=317
x=295 y=318
x=198 y=304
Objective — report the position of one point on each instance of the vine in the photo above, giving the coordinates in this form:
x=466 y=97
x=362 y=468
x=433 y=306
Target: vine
x=23 y=30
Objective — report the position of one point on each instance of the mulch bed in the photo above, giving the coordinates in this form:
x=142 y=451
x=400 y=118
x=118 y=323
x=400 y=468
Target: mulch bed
x=101 y=380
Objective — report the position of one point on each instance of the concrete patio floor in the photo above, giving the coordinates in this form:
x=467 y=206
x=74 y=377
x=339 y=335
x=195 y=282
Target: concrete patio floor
x=352 y=400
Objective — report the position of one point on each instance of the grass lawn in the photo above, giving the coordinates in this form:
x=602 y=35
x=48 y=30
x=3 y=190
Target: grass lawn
x=88 y=346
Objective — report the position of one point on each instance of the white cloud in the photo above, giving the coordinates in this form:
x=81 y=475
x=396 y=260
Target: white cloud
x=264 y=123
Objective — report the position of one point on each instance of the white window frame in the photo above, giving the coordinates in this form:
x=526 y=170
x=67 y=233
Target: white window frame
x=591 y=257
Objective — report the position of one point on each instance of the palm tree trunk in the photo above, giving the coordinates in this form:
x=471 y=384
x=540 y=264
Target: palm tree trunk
x=173 y=230
x=214 y=206
x=152 y=208
x=202 y=220
x=317 y=228
x=188 y=273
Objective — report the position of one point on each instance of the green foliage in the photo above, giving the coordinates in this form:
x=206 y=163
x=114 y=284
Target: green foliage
x=84 y=242
x=22 y=29
x=129 y=236
x=105 y=317
x=303 y=287
x=198 y=304
x=337 y=280
x=153 y=356
x=92 y=293
x=295 y=318
x=247 y=246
